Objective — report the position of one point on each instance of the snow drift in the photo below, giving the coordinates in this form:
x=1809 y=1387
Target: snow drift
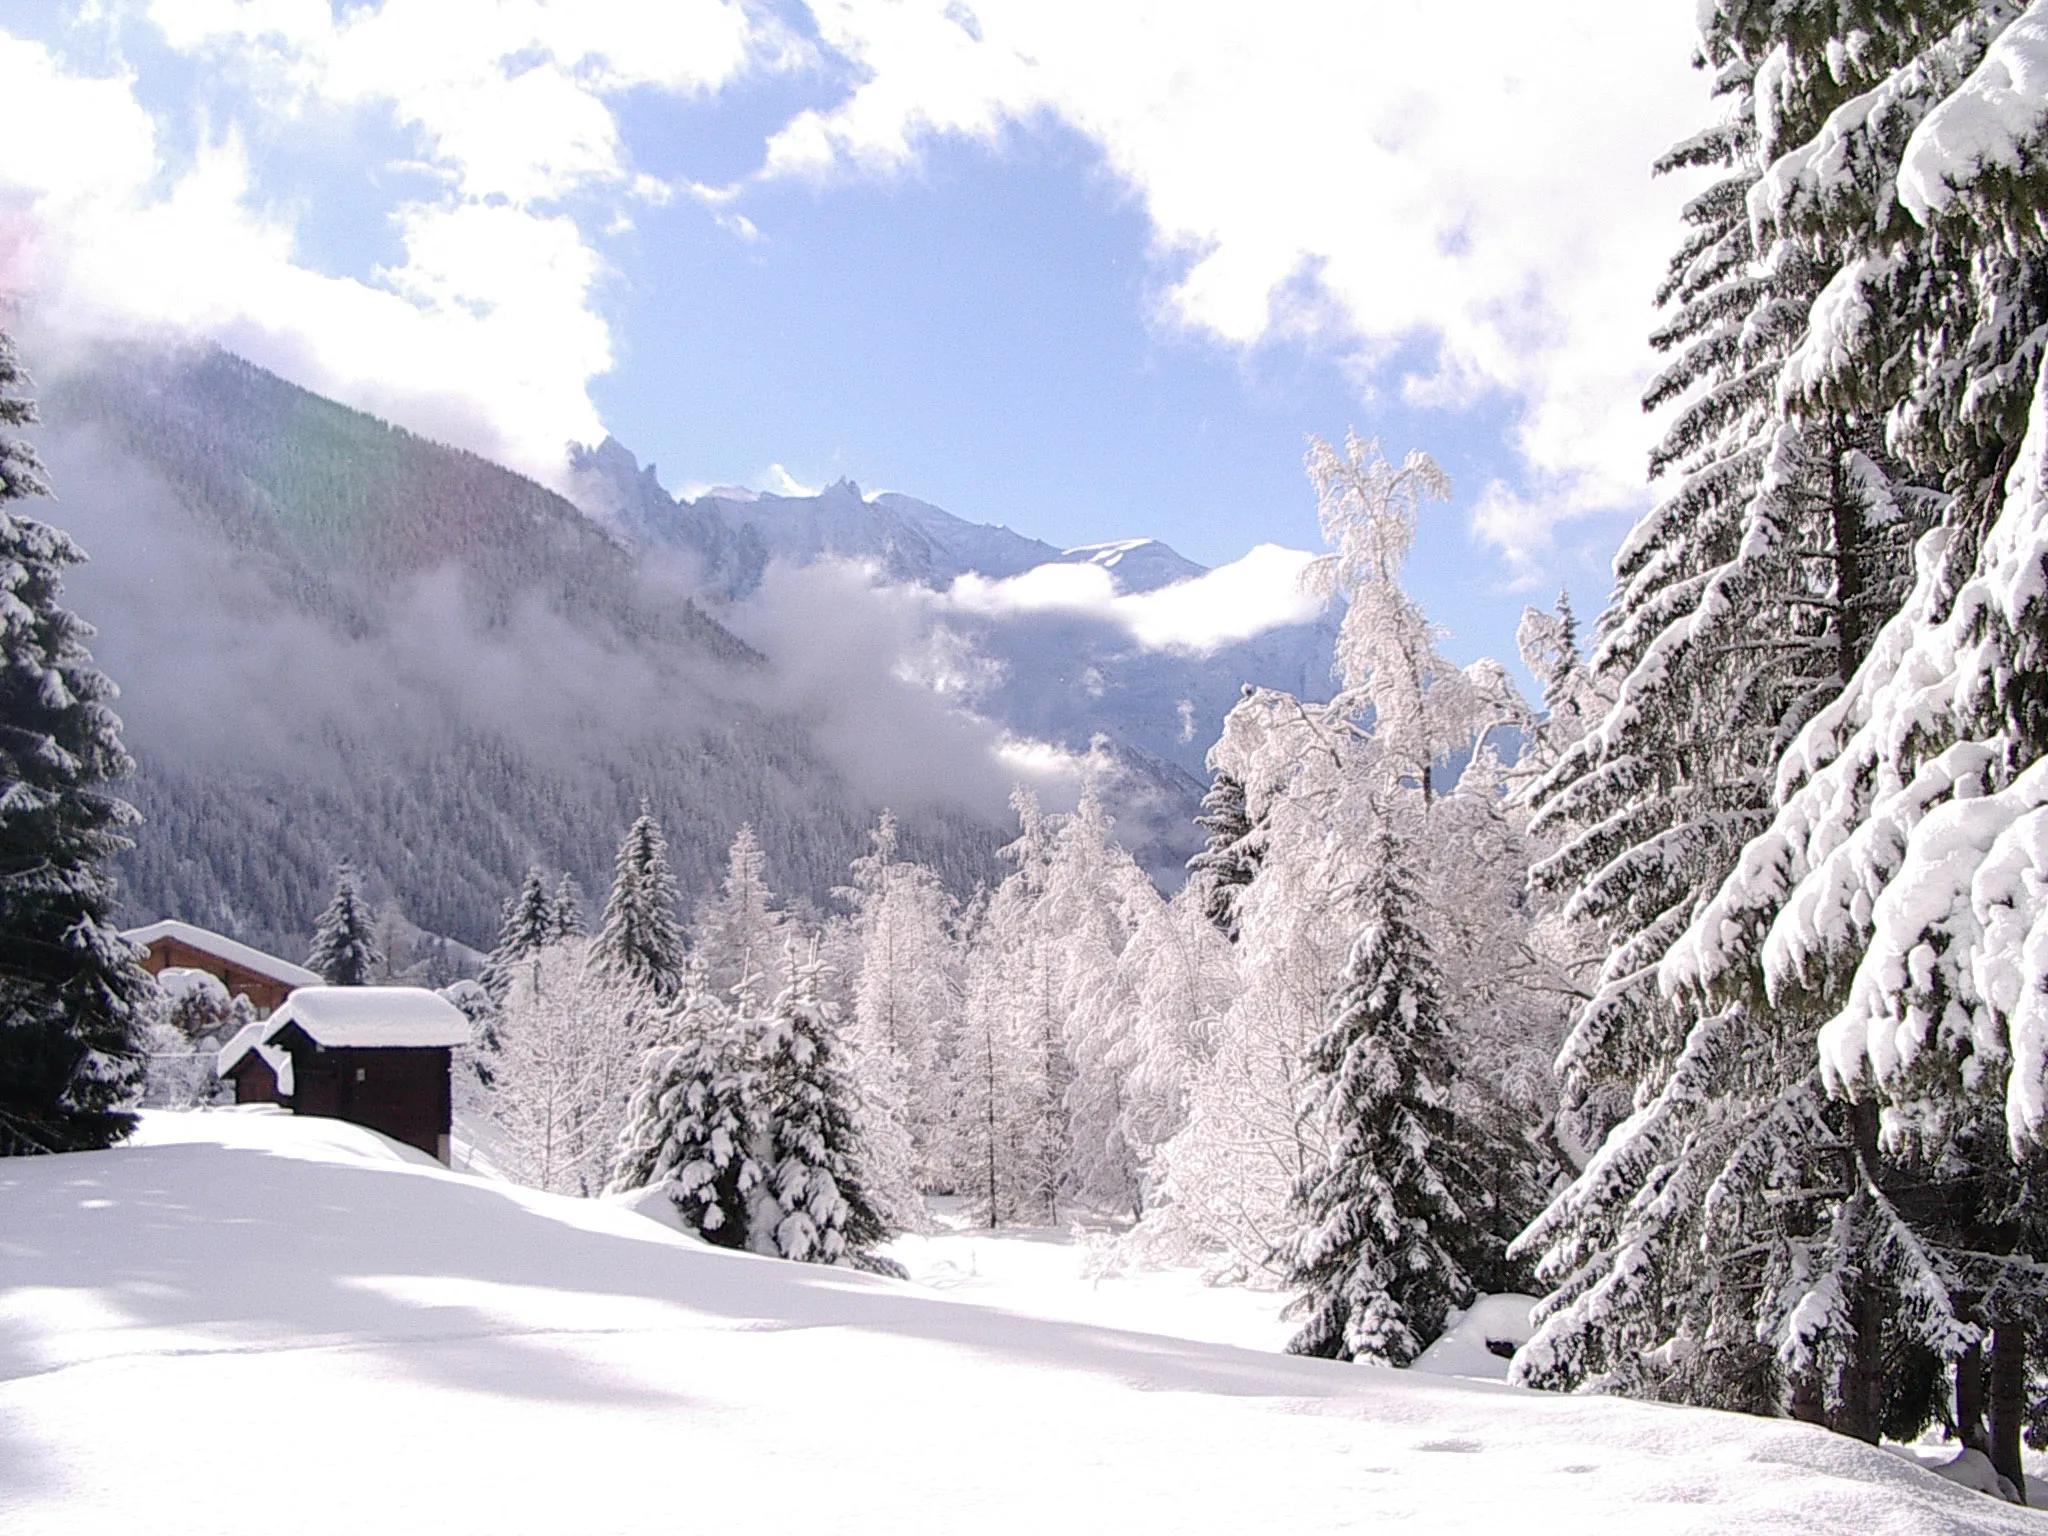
x=247 y=1321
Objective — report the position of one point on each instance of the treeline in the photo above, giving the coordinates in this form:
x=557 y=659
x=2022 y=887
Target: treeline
x=444 y=824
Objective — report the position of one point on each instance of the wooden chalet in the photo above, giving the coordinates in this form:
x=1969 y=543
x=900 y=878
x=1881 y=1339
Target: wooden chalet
x=243 y=969
x=373 y=1056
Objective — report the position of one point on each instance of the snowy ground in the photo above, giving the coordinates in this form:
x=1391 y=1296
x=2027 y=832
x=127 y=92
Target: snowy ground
x=249 y=1323
x=1071 y=1275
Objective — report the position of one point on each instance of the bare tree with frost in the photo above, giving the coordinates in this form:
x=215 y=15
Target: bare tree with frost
x=739 y=932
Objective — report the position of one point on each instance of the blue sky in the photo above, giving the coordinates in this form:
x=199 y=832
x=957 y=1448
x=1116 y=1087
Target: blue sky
x=1092 y=270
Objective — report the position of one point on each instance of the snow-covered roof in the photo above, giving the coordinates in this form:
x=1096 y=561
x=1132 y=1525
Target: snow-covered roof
x=366 y=1018
x=280 y=1064
x=240 y=1044
x=222 y=947
x=250 y=1038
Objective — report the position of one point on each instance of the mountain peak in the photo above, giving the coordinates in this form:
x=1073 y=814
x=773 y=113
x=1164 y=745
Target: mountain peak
x=1136 y=565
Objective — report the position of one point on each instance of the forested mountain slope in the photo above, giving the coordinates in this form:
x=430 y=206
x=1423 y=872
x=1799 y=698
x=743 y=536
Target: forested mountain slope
x=339 y=640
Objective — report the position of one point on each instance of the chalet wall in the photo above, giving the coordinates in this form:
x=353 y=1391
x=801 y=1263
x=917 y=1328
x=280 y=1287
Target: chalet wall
x=266 y=994
x=402 y=1092
x=255 y=1083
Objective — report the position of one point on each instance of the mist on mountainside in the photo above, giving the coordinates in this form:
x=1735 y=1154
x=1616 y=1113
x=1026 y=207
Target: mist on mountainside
x=337 y=640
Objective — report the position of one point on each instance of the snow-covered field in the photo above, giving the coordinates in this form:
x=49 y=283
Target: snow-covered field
x=253 y=1323
x=1074 y=1277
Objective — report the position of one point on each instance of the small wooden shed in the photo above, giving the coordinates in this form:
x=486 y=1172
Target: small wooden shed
x=243 y=969
x=262 y=1073
x=373 y=1056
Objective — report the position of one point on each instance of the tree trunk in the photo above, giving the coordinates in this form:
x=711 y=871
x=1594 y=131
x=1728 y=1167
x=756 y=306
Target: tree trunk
x=1862 y=1410
x=1970 y=1428
x=994 y=1216
x=1807 y=1402
x=2008 y=1397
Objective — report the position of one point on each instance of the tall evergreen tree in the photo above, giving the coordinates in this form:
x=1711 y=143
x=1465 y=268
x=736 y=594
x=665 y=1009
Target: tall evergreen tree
x=639 y=943
x=528 y=927
x=691 y=1124
x=1549 y=644
x=345 y=949
x=1742 y=603
x=1895 y=896
x=70 y=988
x=1230 y=857
x=812 y=1204
x=567 y=913
x=1381 y=1215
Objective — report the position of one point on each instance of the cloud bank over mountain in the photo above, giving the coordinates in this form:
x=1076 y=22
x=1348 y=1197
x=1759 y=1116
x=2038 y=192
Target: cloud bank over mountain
x=1317 y=174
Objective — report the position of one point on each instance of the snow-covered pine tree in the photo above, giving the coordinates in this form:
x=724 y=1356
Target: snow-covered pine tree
x=812 y=1203
x=567 y=913
x=70 y=988
x=633 y=971
x=639 y=944
x=1230 y=857
x=1742 y=603
x=1549 y=646
x=739 y=933
x=1383 y=1213
x=692 y=1122
x=1895 y=896
x=528 y=926
x=345 y=951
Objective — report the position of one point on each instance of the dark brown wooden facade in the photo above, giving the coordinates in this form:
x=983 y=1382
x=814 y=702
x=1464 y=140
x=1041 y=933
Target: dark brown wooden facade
x=401 y=1091
x=266 y=994
x=255 y=1083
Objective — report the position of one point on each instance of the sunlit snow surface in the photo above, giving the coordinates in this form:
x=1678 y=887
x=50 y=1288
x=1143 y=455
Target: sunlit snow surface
x=251 y=1323
x=1073 y=1275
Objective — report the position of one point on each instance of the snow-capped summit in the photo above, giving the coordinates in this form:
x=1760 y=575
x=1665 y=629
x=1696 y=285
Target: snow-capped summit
x=1136 y=565
x=735 y=532
x=1067 y=677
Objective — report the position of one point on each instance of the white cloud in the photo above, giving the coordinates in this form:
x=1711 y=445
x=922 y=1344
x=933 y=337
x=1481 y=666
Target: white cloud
x=1369 y=174
x=486 y=333
x=1247 y=597
x=1474 y=178
x=780 y=482
x=508 y=95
